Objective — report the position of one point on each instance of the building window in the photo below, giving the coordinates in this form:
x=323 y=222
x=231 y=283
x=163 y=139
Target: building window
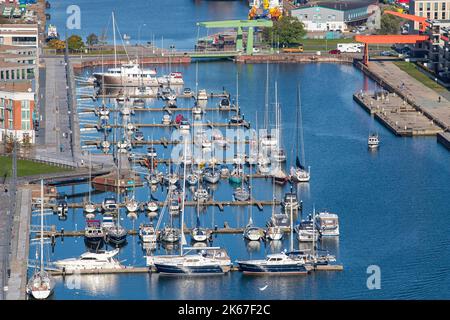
x=443 y=15
x=436 y=6
x=25 y=104
x=428 y=6
x=435 y=15
x=428 y=15
x=420 y=6
x=443 y=5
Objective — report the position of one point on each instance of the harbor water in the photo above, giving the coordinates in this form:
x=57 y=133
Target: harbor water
x=392 y=203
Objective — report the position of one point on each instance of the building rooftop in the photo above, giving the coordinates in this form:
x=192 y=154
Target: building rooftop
x=338 y=5
x=16 y=86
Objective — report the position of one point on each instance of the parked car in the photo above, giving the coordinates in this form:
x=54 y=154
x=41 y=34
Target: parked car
x=334 y=51
x=388 y=54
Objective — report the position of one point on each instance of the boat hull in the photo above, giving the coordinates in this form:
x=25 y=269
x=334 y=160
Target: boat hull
x=189 y=270
x=285 y=269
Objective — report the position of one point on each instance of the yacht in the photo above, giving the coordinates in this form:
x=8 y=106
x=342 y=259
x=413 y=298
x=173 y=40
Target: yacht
x=116 y=235
x=209 y=260
x=291 y=201
x=202 y=95
x=109 y=204
x=152 y=206
x=328 y=224
x=166 y=120
x=151 y=152
x=147 y=233
x=132 y=205
x=173 y=78
x=192 y=179
x=274 y=263
x=201 y=195
x=62 y=209
x=93 y=233
x=373 y=141
x=139 y=103
x=169 y=234
x=253 y=233
x=274 y=233
x=127 y=74
x=241 y=194
x=225 y=103
x=307 y=231
x=91 y=260
x=300 y=174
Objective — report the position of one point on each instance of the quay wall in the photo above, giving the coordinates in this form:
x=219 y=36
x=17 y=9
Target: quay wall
x=294 y=58
x=391 y=88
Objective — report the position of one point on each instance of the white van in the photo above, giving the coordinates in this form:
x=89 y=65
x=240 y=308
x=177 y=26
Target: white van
x=350 y=47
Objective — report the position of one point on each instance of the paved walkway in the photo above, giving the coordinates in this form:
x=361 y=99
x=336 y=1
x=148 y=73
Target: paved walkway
x=4 y=239
x=424 y=97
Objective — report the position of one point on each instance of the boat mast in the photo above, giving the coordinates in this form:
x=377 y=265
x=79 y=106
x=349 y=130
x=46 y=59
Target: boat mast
x=42 y=227
x=183 y=239
x=301 y=125
x=90 y=175
x=114 y=39
x=291 y=227
x=118 y=192
x=266 y=113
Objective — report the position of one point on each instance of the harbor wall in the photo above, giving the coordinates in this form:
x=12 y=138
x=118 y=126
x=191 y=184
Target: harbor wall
x=294 y=58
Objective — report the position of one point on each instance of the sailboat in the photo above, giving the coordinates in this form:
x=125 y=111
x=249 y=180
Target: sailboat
x=273 y=231
x=89 y=207
x=198 y=233
x=276 y=264
x=41 y=284
x=208 y=261
x=278 y=174
x=117 y=235
x=299 y=173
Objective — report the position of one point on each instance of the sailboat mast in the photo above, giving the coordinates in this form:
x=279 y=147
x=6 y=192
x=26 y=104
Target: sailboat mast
x=90 y=175
x=114 y=39
x=266 y=117
x=42 y=226
x=182 y=200
x=291 y=228
x=301 y=125
x=118 y=191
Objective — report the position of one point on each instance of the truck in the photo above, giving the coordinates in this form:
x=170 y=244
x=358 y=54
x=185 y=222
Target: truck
x=298 y=49
x=350 y=47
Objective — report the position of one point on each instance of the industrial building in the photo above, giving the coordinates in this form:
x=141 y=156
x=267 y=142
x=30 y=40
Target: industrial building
x=333 y=16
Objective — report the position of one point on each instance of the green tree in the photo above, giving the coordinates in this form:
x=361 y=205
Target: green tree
x=57 y=44
x=75 y=43
x=390 y=24
x=287 y=31
x=92 y=39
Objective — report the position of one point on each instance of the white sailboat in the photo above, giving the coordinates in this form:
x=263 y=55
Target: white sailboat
x=89 y=207
x=41 y=284
x=299 y=173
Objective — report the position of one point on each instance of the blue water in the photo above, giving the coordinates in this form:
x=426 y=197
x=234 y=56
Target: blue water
x=169 y=22
x=392 y=203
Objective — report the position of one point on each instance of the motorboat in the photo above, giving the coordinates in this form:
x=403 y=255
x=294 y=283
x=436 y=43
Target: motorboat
x=138 y=136
x=62 y=208
x=147 y=233
x=192 y=179
x=290 y=200
x=167 y=119
x=116 y=235
x=173 y=78
x=224 y=103
x=236 y=119
x=109 y=204
x=169 y=234
x=127 y=74
x=184 y=125
x=202 y=95
x=152 y=206
x=93 y=233
x=279 y=263
x=201 y=195
x=241 y=194
x=139 y=103
x=107 y=222
x=99 y=260
x=89 y=208
x=373 y=141
x=307 y=231
x=328 y=224
x=208 y=261
x=174 y=207
x=279 y=155
x=187 y=92
x=197 y=110
x=280 y=220
x=151 y=152
x=224 y=171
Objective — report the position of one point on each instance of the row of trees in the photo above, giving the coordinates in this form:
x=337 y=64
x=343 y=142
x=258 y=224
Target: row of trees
x=74 y=42
x=287 y=31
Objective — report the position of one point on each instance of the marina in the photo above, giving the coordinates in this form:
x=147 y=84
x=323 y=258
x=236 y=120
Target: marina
x=215 y=167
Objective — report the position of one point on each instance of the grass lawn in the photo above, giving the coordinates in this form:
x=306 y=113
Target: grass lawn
x=411 y=69
x=27 y=168
x=324 y=44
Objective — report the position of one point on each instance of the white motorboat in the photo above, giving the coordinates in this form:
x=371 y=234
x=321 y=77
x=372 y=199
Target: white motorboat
x=173 y=78
x=152 y=206
x=307 y=231
x=241 y=194
x=170 y=234
x=328 y=224
x=202 y=95
x=279 y=263
x=109 y=204
x=201 y=194
x=94 y=234
x=212 y=176
x=147 y=233
x=167 y=119
x=91 y=261
x=373 y=141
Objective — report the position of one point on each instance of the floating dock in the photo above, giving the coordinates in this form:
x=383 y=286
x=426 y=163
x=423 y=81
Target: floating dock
x=396 y=114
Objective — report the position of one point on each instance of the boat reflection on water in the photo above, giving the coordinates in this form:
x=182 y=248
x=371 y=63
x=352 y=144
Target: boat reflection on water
x=170 y=248
x=95 y=285
x=253 y=246
x=275 y=246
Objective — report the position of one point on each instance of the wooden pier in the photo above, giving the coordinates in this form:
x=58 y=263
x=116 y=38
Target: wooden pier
x=396 y=114
x=211 y=125
x=169 y=110
x=219 y=204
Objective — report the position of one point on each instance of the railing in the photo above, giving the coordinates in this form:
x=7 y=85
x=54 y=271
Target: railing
x=50 y=161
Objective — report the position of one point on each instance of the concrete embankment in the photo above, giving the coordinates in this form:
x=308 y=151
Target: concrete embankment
x=295 y=58
x=20 y=247
x=423 y=99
